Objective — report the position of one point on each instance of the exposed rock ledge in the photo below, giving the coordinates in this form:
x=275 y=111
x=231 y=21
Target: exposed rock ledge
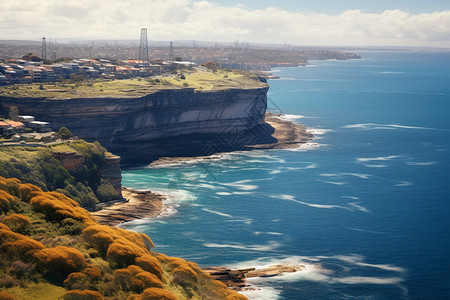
x=137 y=205
x=236 y=279
x=284 y=135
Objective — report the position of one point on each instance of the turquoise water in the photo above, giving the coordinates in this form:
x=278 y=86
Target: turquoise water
x=365 y=207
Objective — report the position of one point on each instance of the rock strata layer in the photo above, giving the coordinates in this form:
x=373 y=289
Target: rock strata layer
x=175 y=122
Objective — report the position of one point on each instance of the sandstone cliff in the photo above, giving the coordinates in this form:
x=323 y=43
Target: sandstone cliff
x=174 y=122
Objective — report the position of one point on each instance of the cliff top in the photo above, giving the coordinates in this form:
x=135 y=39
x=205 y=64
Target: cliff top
x=137 y=87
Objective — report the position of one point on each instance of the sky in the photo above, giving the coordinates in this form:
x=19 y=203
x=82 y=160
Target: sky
x=295 y=22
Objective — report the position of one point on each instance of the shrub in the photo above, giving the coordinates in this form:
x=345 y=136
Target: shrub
x=17 y=222
x=135 y=279
x=8 y=281
x=17 y=245
x=83 y=280
x=57 y=207
x=183 y=274
x=22 y=269
x=7 y=201
x=150 y=264
x=236 y=296
x=64 y=133
x=102 y=236
x=27 y=191
x=82 y=295
x=122 y=254
x=93 y=272
x=77 y=281
x=6 y=296
x=60 y=261
x=71 y=226
x=154 y=294
x=106 y=192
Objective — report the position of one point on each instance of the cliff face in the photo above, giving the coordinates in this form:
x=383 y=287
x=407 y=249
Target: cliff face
x=72 y=162
x=177 y=122
x=111 y=171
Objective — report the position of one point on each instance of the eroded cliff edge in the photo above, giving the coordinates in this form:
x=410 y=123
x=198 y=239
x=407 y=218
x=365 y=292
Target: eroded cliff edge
x=170 y=122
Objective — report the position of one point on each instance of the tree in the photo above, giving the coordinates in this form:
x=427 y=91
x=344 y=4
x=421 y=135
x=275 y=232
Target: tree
x=31 y=57
x=211 y=66
x=13 y=113
x=64 y=133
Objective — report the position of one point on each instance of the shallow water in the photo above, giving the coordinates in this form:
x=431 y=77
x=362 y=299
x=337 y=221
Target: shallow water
x=365 y=207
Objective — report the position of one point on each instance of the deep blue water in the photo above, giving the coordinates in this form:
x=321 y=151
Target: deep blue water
x=366 y=209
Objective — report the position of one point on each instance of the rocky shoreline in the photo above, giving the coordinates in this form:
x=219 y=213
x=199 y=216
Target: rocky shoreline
x=137 y=205
x=236 y=278
x=148 y=204
x=286 y=135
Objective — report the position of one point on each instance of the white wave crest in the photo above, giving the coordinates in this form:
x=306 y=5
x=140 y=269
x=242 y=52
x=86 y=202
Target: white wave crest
x=306 y=147
x=272 y=245
x=358 y=207
x=368 y=280
x=403 y=183
x=359 y=175
x=262 y=293
x=375 y=166
x=241 y=185
x=334 y=182
x=373 y=126
x=292 y=199
x=380 y=158
x=269 y=233
x=425 y=163
x=319 y=131
x=217 y=213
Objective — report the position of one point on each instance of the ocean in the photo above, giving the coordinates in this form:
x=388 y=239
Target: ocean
x=365 y=207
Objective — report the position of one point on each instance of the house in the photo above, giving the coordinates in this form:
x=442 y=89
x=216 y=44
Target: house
x=17 y=126
x=40 y=126
x=25 y=119
x=5 y=129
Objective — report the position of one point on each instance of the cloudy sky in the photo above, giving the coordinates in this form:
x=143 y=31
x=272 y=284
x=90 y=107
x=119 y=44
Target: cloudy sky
x=297 y=22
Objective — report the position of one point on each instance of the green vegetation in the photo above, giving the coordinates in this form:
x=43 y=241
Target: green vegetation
x=60 y=252
x=136 y=87
x=64 y=133
x=44 y=167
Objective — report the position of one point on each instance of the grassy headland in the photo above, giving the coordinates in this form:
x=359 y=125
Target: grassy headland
x=185 y=78
x=51 y=248
x=80 y=179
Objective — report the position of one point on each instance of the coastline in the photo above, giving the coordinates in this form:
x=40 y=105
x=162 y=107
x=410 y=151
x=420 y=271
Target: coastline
x=138 y=205
x=148 y=204
x=288 y=135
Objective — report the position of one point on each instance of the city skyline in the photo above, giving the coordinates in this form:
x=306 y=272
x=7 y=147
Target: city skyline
x=351 y=23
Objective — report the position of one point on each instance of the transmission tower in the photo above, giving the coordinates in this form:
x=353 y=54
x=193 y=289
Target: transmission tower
x=171 y=51
x=143 y=47
x=44 y=49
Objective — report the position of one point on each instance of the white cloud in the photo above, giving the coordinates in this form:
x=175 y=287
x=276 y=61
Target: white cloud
x=205 y=20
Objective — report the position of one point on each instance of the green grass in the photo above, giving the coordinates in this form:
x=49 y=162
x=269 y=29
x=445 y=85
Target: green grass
x=20 y=153
x=136 y=87
x=32 y=291
x=65 y=148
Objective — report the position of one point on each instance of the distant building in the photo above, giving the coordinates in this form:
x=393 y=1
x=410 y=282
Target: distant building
x=17 y=126
x=40 y=126
x=25 y=119
x=6 y=129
